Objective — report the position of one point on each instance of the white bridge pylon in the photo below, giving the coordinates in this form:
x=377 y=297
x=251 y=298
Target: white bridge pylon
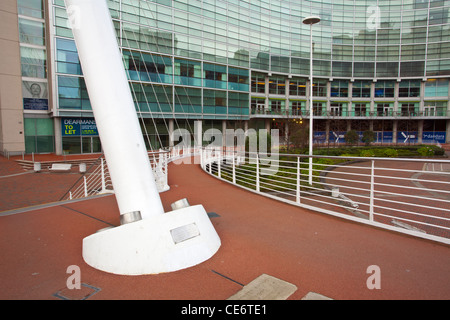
x=148 y=241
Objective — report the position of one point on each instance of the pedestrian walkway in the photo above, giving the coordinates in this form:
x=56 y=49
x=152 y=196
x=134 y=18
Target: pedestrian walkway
x=314 y=252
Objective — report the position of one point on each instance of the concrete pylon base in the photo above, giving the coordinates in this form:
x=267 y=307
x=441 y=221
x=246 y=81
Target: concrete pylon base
x=163 y=243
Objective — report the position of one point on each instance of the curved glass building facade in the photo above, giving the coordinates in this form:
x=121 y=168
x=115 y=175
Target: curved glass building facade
x=379 y=65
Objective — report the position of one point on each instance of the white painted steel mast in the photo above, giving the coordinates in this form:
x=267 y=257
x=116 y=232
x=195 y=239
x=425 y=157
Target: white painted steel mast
x=149 y=240
x=113 y=108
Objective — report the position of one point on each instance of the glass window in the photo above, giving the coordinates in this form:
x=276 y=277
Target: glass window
x=279 y=64
x=31 y=8
x=147 y=67
x=238 y=79
x=71 y=145
x=435 y=108
x=320 y=88
x=364 y=69
x=72 y=93
x=361 y=89
x=337 y=109
x=32 y=32
x=34 y=62
x=360 y=109
x=257 y=105
x=409 y=109
x=409 y=88
x=67 y=60
x=215 y=76
x=187 y=72
x=237 y=103
x=151 y=97
x=339 y=88
x=39 y=135
x=188 y=100
x=297 y=87
x=385 y=109
x=258 y=83
x=297 y=107
x=318 y=108
x=412 y=68
x=277 y=106
x=277 y=85
x=438 y=67
x=436 y=88
x=214 y=101
x=384 y=89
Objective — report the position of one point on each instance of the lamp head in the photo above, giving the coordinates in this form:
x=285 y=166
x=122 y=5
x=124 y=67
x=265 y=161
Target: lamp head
x=311 y=20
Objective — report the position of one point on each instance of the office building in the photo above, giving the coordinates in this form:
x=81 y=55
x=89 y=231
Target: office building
x=378 y=65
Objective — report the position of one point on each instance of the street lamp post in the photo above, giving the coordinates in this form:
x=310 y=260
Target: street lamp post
x=310 y=21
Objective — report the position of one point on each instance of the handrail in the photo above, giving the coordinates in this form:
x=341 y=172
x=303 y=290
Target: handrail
x=374 y=191
x=95 y=163
x=97 y=176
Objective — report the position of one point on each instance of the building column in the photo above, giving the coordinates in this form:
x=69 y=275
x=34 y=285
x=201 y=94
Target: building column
x=171 y=122
x=287 y=107
x=224 y=133
x=447 y=135
x=12 y=132
x=420 y=131
x=267 y=124
x=58 y=136
x=327 y=131
x=266 y=92
x=198 y=133
x=394 y=131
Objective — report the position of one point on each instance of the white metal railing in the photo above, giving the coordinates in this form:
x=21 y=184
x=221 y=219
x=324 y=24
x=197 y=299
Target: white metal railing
x=406 y=195
x=98 y=181
x=94 y=181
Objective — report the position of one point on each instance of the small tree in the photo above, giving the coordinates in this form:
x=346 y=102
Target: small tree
x=300 y=136
x=368 y=137
x=351 y=137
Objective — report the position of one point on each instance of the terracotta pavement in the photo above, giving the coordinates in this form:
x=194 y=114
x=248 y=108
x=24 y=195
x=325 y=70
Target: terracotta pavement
x=315 y=252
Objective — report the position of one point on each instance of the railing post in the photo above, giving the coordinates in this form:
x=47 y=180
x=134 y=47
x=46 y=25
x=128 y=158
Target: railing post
x=257 y=174
x=211 y=162
x=219 y=162
x=372 y=190
x=297 y=191
x=234 y=170
x=103 y=175
x=85 y=187
x=166 y=169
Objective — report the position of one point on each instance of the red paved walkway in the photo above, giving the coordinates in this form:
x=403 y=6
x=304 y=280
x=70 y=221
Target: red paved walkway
x=315 y=252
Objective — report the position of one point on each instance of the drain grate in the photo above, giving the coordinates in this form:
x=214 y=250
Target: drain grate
x=85 y=292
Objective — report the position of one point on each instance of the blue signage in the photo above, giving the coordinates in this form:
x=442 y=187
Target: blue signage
x=434 y=137
x=78 y=127
x=385 y=136
x=35 y=104
x=320 y=136
x=407 y=137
